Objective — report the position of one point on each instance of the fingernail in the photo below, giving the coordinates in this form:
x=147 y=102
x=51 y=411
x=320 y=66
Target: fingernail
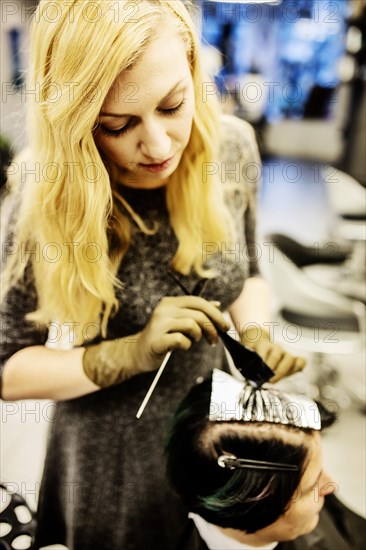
x=215 y=303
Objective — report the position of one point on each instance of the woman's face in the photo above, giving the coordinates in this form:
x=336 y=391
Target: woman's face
x=146 y=120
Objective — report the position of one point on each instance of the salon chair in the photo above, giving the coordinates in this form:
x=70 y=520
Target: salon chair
x=331 y=265
x=313 y=319
x=347 y=199
x=17 y=521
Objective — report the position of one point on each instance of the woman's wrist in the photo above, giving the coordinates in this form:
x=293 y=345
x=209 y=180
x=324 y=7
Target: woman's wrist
x=253 y=334
x=112 y=361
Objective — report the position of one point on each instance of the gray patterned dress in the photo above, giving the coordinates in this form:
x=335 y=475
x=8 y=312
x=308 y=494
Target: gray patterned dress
x=104 y=481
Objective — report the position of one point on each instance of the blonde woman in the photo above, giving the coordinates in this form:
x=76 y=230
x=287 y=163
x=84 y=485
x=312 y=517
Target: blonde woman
x=130 y=175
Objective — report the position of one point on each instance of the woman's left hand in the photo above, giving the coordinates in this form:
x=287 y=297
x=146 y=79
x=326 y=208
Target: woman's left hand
x=278 y=359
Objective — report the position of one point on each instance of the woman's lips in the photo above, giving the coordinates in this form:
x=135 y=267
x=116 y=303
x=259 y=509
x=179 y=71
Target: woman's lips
x=156 y=167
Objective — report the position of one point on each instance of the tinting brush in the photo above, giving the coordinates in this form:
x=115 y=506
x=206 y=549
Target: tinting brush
x=248 y=362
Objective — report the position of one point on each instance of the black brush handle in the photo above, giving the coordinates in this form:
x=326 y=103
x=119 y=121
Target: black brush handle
x=248 y=362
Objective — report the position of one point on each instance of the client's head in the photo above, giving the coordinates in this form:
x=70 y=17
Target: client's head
x=249 y=461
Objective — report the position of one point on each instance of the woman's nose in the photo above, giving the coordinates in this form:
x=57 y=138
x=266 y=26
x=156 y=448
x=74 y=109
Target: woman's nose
x=327 y=485
x=155 y=142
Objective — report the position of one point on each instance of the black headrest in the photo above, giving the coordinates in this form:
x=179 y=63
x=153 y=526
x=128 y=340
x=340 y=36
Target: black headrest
x=329 y=253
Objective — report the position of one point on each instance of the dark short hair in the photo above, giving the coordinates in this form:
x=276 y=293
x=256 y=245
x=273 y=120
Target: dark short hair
x=243 y=499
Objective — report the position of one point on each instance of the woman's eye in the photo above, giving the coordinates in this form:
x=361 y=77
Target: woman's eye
x=114 y=133
x=120 y=131
x=172 y=110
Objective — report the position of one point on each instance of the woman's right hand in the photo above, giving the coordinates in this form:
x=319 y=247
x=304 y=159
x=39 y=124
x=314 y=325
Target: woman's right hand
x=175 y=323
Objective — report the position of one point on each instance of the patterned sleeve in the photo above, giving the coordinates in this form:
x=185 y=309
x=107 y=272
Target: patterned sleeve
x=16 y=332
x=241 y=172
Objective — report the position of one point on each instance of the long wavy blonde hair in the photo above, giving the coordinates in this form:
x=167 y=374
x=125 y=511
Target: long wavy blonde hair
x=78 y=49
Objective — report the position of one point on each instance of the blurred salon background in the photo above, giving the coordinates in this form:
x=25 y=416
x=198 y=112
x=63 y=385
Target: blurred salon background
x=296 y=70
